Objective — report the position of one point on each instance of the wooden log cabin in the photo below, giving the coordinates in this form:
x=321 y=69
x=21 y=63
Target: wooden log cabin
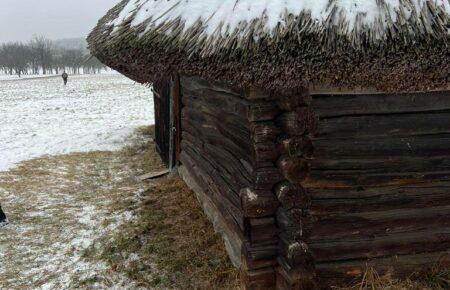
x=315 y=134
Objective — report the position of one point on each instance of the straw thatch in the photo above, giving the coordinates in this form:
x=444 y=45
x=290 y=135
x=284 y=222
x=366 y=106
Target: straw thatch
x=403 y=48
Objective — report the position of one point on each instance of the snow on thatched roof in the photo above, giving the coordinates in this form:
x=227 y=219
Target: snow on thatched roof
x=208 y=23
x=249 y=30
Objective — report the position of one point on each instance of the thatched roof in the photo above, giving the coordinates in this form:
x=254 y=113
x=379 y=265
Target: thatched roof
x=386 y=44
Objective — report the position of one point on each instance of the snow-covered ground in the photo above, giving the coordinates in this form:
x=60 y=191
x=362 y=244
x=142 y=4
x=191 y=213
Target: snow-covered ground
x=60 y=205
x=93 y=112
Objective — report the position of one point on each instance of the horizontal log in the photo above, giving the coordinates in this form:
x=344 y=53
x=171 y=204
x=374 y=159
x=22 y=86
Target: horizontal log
x=296 y=147
x=229 y=127
x=218 y=190
x=265 y=152
x=194 y=83
x=385 y=125
x=328 y=179
x=258 y=203
x=222 y=162
x=378 y=223
x=375 y=192
x=383 y=147
x=262 y=111
x=336 y=273
x=210 y=101
x=300 y=122
x=379 y=199
x=298 y=277
x=292 y=195
x=382 y=164
x=330 y=105
x=262 y=231
x=295 y=170
x=259 y=257
x=233 y=237
x=266 y=178
x=264 y=132
x=258 y=279
x=291 y=99
x=192 y=134
x=396 y=244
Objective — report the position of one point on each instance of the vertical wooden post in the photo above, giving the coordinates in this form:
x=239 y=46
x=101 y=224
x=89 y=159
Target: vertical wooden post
x=176 y=112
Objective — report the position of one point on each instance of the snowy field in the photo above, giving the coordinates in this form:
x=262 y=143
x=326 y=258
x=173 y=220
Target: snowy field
x=60 y=204
x=94 y=112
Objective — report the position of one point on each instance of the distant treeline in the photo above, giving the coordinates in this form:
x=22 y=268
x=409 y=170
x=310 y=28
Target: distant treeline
x=43 y=56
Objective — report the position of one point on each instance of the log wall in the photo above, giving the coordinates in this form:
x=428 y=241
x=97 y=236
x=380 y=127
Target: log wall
x=228 y=155
x=308 y=189
x=380 y=183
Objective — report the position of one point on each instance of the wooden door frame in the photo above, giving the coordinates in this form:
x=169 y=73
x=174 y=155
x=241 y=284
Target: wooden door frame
x=175 y=121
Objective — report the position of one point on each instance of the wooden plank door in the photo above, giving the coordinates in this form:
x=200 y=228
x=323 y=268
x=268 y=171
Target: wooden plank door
x=167 y=121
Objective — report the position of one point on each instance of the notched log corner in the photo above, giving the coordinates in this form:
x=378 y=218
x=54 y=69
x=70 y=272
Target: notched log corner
x=258 y=203
x=294 y=169
x=292 y=195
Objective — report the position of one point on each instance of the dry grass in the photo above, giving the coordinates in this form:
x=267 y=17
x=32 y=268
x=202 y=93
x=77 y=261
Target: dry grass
x=435 y=278
x=83 y=221
x=172 y=232
x=60 y=205
x=170 y=243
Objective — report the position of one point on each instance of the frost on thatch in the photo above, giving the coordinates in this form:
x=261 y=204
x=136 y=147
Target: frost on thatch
x=288 y=43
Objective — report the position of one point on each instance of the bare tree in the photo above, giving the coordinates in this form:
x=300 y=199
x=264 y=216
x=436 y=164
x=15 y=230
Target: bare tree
x=41 y=55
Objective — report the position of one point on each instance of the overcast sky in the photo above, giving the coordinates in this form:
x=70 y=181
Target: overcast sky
x=55 y=19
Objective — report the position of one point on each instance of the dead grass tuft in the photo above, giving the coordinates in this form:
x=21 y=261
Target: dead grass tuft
x=435 y=278
x=170 y=243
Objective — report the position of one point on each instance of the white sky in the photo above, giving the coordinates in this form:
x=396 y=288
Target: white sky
x=20 y=20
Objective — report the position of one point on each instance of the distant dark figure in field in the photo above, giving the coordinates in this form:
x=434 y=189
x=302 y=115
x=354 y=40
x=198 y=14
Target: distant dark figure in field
x=3 y=219
x=65 y=77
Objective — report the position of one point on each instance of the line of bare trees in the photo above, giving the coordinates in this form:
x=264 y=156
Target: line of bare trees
x=42 y=56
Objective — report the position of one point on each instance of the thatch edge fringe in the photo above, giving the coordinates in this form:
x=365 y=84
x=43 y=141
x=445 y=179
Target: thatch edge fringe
x=274 y=63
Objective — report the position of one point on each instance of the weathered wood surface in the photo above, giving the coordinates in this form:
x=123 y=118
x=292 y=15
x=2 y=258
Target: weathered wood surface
x=296 y=253
x=258 y=203
x=386 y=147
x=418 y=242
x=291 y=99
x=257 y=257
x=162 y=120
x=406 y=124
x=332 y=105
x=216 y=183
x=300 y=122
x=153 y=175
x=379 y=223
x=362 y=179
x=230 y=127
x=295 y=170
x=296 y=223
x=326 y=202
x=299 y=277
x=333 y=273
x=233 y=241
x=229 y=145
x=296 y=147
x=292 y=196
x=223 y=162
x=258 y=279
x=262 y=231
x=226 y=103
